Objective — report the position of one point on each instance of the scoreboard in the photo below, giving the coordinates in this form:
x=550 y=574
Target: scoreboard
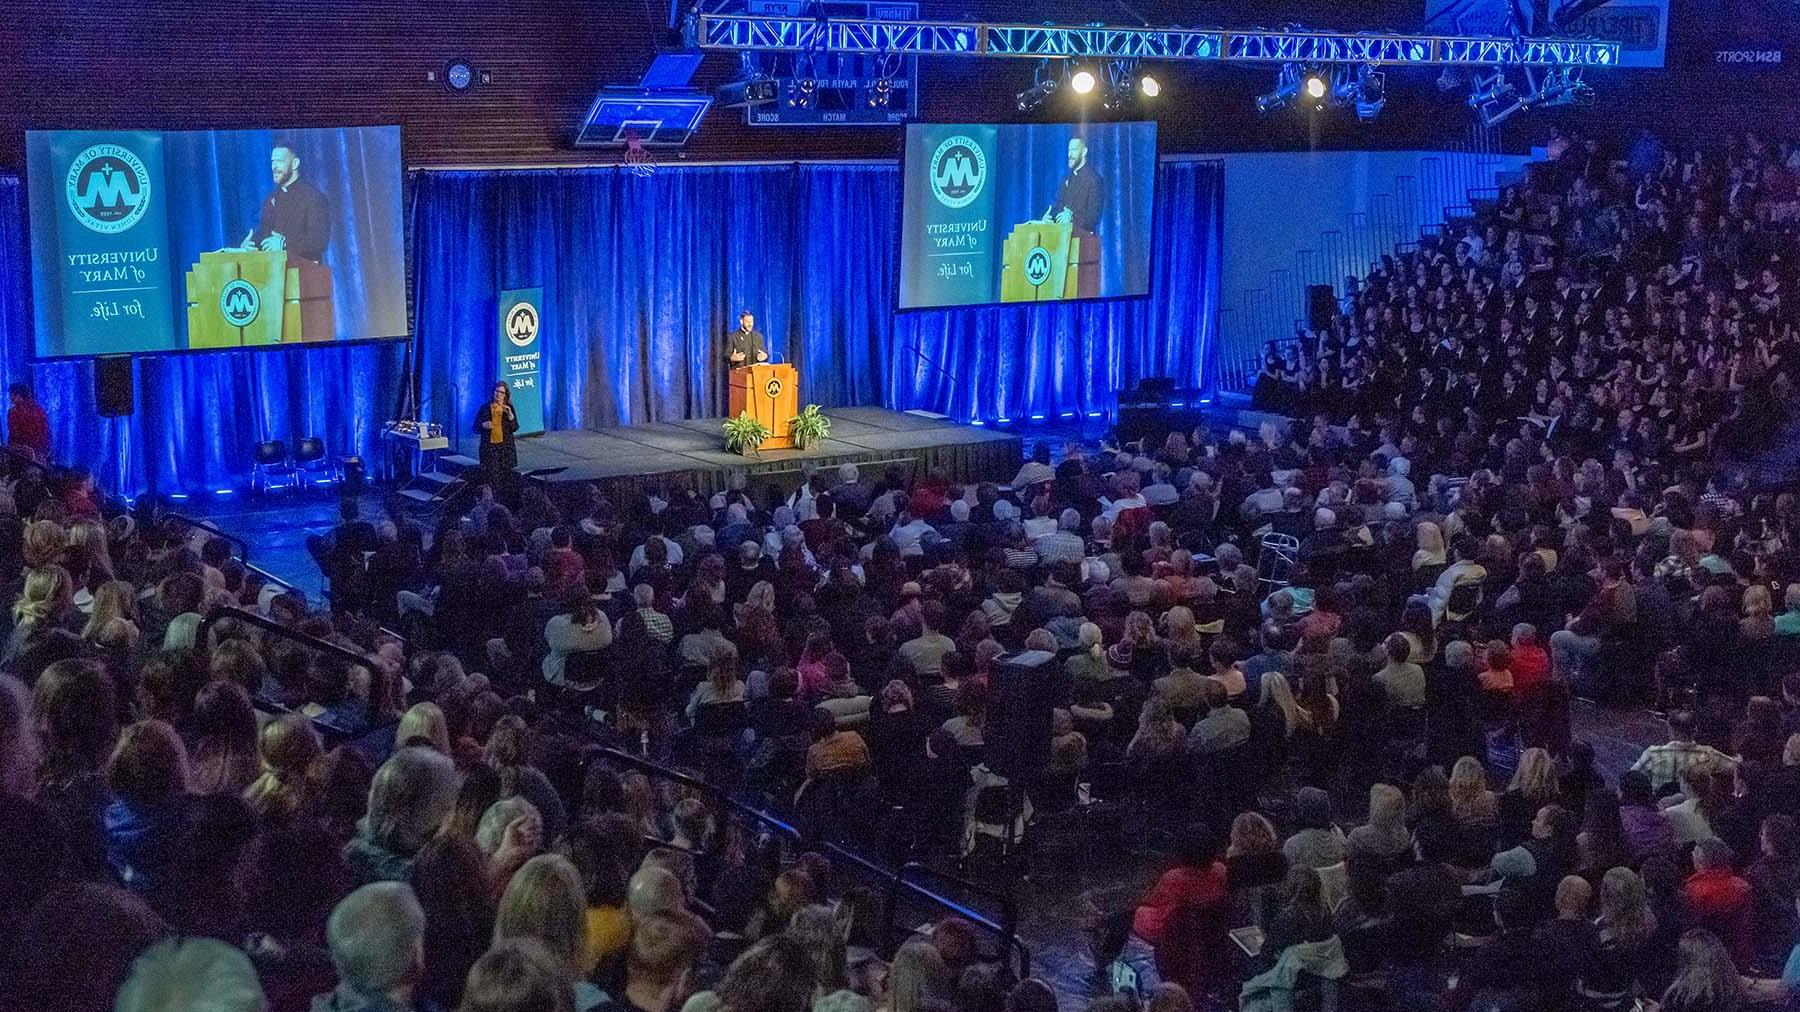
x=838 y=89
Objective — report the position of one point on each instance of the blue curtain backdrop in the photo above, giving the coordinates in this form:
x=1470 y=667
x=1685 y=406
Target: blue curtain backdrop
x=642 y=276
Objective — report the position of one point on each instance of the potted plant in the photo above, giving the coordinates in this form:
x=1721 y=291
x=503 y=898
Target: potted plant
x=810 y=428
x=744 y=434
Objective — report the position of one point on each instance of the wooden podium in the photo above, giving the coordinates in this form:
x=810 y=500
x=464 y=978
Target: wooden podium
x=1044 y=261
x=771 y=393
x=281 y=301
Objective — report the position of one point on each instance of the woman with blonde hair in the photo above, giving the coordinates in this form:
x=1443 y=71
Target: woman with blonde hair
x=424 y=723
x=544 y=902
x=43 y=543
x=45 y=605
x=88 y=558
x=1385 y=836
x=1276 y=696
x=1089 y=660
x=1429 y=538
x=286 y=749
x=114 y=599
x=1623 y=932
x=1534 y=785
x=1255 y=867
x=1471 y=802
x=1706 y=980
x=1758 y=621
x=757 y=634
x=1139 y=651
x=1182 y=633
x=919 y=980
x=1159 y=735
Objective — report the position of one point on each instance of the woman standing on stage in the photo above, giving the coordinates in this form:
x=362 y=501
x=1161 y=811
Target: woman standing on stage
x=495 y=423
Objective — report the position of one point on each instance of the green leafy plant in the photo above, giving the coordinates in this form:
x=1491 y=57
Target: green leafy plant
x=810 y=428
x=744 y=434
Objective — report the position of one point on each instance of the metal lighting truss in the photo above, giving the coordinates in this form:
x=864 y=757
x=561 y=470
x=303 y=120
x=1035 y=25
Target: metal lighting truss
x=940 y=38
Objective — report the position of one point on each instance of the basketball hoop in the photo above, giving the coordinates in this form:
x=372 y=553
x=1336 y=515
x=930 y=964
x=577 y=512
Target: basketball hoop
x=638 y=160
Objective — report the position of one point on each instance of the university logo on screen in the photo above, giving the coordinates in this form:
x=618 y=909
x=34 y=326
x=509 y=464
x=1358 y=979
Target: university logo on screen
x=108 y=188
x=240 y=303
x=958 y=171
x=522 y=324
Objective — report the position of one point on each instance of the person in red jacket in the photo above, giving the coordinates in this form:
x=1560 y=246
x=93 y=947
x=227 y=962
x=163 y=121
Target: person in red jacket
x=27 y=426
x=1719 y=900
x=1162 y=920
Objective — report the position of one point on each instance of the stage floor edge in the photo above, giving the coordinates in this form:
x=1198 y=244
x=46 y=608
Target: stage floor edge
x=638 y=456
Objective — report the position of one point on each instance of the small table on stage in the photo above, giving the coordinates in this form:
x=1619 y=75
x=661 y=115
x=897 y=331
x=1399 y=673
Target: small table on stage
x=414 y=452
x=771 y=393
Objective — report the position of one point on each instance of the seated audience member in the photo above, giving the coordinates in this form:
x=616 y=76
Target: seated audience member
x=1664 y=764
x=151 y=811
x=1400 y=679
x=518 y=975
x=665 y=950
x=377 y=939
x=411 y=795
x=1716 y=898
x=1775 y=886
x=1221 y=727
x=1317 y=842
x=834 y=752
x=191 y=975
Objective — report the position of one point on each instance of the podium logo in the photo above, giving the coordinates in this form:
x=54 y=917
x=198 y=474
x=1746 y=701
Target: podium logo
x=958 y=171
x=522 y=325
x=772 y=388
x=108 y=188
x=1037 y=266
x=240 y=303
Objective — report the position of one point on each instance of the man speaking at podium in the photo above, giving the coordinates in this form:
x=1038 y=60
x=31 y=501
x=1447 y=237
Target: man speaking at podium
x=1080 y=200
x=295 y=216
x=746 y=345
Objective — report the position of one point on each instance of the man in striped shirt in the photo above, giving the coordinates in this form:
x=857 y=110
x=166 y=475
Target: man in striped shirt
x=1664 y=764
x=1065 y=544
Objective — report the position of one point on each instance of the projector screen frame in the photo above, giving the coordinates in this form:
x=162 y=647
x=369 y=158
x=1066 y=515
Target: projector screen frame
x=33 y=294
x=1151 y=244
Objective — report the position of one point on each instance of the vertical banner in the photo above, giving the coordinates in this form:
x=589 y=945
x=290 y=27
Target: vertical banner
x=521 y=356
x=107 y=211
x=949 y=228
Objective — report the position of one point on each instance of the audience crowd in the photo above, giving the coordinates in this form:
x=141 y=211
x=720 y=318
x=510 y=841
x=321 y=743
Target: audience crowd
x=1328 y=668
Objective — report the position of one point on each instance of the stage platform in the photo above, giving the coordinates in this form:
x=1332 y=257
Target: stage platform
x=693 y=451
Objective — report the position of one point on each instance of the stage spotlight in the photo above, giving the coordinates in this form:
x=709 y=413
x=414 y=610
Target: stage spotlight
x=1371 y=92
x=1044 y=83
x=1149 y=86
x=1490 y=89
x=1082 y=81
x=1287 y=85
x=1316 y=85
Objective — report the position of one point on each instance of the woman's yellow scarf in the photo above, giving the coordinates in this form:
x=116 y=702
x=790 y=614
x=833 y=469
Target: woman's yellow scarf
x=496 y=431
